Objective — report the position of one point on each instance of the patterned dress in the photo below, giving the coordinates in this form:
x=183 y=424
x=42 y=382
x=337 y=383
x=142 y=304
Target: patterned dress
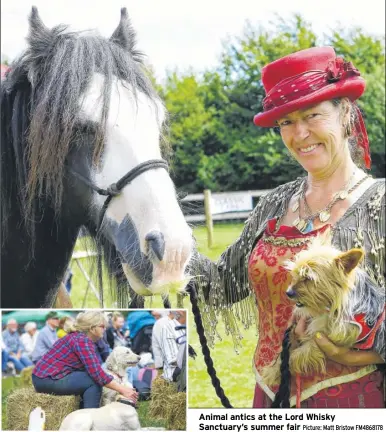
x=341 y=386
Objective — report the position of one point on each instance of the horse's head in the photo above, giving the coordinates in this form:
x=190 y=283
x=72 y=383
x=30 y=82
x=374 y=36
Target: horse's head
x=95 y=119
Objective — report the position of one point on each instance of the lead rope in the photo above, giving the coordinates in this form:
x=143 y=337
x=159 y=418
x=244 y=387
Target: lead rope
x=204 y=347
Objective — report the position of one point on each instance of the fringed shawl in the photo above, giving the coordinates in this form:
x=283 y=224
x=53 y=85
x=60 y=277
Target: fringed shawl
x=223 y=287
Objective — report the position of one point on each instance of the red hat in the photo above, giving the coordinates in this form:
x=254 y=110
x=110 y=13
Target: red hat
x=306 y=78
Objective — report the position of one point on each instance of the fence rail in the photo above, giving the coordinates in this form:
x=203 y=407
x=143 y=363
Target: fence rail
x=198 y=215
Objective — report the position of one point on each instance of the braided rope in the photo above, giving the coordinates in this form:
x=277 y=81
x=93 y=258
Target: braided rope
x=283 y=395
x=205 y=349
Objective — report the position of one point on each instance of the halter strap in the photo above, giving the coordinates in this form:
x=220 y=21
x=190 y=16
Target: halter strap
x=116 y=188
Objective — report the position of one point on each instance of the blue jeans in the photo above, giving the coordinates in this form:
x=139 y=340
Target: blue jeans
x=75 y=383
x=20 y=363
x=4 y=360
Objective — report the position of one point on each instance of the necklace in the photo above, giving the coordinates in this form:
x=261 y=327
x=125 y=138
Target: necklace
x=305 y=224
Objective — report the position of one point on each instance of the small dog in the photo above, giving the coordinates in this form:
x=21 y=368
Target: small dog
x=116 y=364
x=337 y=298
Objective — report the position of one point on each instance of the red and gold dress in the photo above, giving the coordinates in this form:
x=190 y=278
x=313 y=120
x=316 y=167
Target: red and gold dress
x=341 y=386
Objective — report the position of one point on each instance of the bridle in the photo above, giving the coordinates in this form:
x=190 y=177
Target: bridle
x=115 y=189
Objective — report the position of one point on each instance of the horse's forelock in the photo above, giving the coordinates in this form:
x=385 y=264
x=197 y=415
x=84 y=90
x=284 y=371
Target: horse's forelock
x=61 y=78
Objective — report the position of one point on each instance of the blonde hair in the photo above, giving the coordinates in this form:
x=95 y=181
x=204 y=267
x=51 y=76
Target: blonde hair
x=116 y=315
x=85 y=321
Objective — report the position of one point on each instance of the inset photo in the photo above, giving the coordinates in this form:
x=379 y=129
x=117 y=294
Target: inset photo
x=94 y=369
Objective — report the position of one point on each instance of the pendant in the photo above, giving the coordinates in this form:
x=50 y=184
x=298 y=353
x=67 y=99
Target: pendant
x=301 y=225
x=296 y=222
x=309 y=227
x=343 y=195
x=324 y=216
x=295 y=206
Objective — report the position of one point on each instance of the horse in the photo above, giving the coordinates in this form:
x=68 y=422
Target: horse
x=82 y=144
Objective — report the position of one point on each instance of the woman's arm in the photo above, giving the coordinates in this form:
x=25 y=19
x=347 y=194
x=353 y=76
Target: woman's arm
x=346 y=356
x=342 y=355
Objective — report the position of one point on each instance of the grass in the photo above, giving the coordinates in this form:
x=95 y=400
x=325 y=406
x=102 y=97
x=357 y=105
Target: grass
x=11 y=383
x=234 y=370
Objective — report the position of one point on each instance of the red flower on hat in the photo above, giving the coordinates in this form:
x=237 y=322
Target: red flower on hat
x=338 y=69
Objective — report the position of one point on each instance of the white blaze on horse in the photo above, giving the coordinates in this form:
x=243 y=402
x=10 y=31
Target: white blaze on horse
x=81 y=134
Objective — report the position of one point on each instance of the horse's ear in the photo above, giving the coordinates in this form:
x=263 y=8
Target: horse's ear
x=39 y=37
x=124 y=34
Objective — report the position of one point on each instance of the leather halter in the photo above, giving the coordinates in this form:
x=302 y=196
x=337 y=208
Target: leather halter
x=116 y=188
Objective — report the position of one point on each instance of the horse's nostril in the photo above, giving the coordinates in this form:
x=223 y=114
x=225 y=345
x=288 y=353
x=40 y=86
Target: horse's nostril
x=156 y=243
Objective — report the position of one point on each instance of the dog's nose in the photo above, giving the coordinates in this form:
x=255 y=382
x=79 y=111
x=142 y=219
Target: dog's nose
x=291 y=293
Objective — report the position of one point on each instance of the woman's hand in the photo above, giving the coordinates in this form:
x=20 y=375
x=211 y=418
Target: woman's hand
x=338 y=354
x=129 y=393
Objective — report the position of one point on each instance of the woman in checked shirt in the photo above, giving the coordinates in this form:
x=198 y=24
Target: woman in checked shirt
x=72 y=367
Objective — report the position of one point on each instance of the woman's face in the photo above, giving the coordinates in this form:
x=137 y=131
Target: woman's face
x=98 y=331
x=315 y=136
x=119 y=322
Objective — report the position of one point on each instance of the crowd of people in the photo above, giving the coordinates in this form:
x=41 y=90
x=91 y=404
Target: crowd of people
x=68 y=354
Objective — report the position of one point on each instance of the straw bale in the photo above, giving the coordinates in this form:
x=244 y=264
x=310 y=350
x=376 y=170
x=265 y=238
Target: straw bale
x=160 y=390
x=26 y=377
x=176 y=411
x=21 y=402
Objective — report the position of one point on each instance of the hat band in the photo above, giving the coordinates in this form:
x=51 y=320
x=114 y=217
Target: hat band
x=306 y=83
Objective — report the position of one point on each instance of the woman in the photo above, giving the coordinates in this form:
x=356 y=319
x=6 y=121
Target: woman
x=114 y=334
x=310 y=97
x=72 y=367
x=65 y=325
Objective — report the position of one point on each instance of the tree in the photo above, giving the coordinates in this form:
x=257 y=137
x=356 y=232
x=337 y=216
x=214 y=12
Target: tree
x=215 y=141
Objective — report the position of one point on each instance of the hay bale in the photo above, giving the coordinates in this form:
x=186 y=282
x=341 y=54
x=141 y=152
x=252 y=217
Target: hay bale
x=160 y=390
x=55 y=407
x=26 y=377
x=176 y=411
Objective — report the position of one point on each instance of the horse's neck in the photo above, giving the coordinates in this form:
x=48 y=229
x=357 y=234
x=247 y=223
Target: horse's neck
x=33 y=282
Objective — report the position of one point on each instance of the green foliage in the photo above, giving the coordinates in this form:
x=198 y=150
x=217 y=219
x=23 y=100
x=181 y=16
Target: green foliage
x=212 y=134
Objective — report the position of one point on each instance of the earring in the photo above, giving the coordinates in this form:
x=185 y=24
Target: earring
x=347 y=129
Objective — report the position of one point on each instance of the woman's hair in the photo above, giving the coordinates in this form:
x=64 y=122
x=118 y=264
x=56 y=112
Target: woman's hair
x=116 y=315
x=67 y=324
x=85 y=321
x=355 y=151
x=61 y=322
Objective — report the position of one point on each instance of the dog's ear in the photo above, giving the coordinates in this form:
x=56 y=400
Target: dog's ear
x=350 y=259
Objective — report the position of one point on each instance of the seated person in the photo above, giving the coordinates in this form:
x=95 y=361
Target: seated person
x=14 y=346
x=29 y=337
x=114 y=334
x=140 y=324
x=72 y=367
x=47 y=336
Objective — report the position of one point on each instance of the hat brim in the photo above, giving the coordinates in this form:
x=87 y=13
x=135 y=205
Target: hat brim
x=351 y=88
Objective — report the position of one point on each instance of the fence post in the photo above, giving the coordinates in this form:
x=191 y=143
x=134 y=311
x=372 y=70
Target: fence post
x=208 y=216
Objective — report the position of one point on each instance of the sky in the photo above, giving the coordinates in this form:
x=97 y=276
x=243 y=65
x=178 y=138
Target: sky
x=184 y=34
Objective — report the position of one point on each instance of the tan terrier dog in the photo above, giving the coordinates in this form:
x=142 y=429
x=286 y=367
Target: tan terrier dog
x=337 y=298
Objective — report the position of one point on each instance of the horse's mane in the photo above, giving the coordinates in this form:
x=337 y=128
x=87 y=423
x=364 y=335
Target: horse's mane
x=40 y=103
